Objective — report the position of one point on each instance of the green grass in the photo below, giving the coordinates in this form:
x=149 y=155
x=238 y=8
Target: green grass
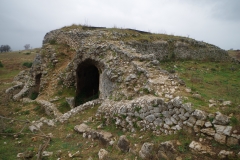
x=63 y=106
x=13 y=64
x=212 y=80
x=6 y=74
x=27 y=64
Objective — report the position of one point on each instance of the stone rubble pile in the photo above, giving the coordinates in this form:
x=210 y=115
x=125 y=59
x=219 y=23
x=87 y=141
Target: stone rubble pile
x=104 y=137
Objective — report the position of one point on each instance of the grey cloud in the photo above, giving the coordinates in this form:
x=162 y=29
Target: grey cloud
x=214 y=21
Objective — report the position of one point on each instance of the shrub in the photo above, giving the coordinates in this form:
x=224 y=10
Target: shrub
x=27 y=64
x=1 y=65
x=8 y=130
x=27 y=53
x=52 y=41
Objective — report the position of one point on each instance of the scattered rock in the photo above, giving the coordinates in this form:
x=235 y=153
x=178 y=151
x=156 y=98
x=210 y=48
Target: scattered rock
x=123 y=143
x=167 y=150
x=47 y=154
x=208 y=124
x=208 y=131
x=102 y=154
x=188 y=90
x=111 y=143
x=220 y=138
x=221 y=119
x=226 y=130
x=201 y=115
x=226 y=103
x=199 y=148
x=146 y=150
x=82 y=128
x=198 y=96
x=71 y=101
x=232 y=141
x=225 y=154
x=212 y=101
x=87 y=132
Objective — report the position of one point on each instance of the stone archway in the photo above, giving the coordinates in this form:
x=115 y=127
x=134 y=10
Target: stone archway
x=88 y=76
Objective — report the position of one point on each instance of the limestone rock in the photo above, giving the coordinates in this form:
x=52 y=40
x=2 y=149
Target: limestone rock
x=82 y=128
x=188 y=90
x=123 y=143
x=208 y=124
x=71 y=101
x=25 y=155
x=130 y=77
x=208 y=131
x=225 y=154
x=105 y=136
x=167 y=150
x=199 y=123
x=146 y=150
x=200 y=115
x=188 y=107
x=221 y=119
x=220 y=138
x=177 y=101
x=199 y=148
x=226 y=130
x=47 y=154
x=102 y=154
x=150 y=118
x=226 y=103
x=232 y=141
x=198 y=96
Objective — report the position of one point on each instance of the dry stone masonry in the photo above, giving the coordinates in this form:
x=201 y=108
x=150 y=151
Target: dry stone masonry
x=122 y=70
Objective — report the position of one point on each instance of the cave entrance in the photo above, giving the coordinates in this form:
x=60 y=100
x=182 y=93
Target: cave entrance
x=35 y=91
x=87 y=82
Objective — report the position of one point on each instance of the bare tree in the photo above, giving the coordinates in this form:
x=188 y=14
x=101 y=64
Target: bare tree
x=27 y=46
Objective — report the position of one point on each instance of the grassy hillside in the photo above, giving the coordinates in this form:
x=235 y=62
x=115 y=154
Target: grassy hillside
x=13 y=63
x=234 y=54
x=212 y=80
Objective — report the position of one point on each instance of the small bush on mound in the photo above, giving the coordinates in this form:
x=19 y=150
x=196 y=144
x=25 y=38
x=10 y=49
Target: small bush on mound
x=27 y=64
x=28 y=53
x=52 y=42
x=1 y=65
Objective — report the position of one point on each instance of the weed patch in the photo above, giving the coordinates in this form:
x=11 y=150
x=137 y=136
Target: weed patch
x=64 y=107
x=27 y=64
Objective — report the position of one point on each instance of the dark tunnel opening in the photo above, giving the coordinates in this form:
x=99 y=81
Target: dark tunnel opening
x=87 y=82
x=35 y=92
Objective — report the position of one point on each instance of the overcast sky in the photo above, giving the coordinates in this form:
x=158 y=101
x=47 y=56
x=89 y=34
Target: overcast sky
x=212 y=21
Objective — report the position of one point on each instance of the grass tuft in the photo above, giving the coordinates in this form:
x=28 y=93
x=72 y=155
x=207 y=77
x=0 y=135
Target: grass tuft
x=27 y=64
